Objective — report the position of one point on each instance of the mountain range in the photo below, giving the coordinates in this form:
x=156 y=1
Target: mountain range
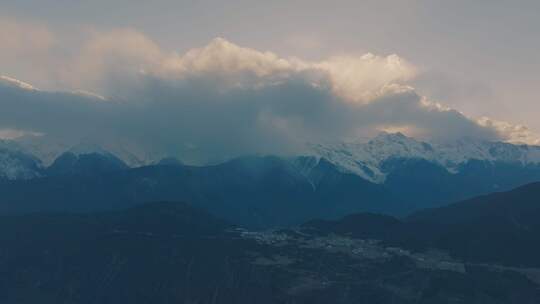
x=368 y=159
x=373 y=222
x=390 y=174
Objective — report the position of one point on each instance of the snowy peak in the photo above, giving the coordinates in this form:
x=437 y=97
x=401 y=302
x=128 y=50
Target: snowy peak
x=15 y=164
x=30 y=159
x=397 y=145
x=463 y=150
x=366 y=159
x=48 y=149
x=386 y=137
x=12 y=82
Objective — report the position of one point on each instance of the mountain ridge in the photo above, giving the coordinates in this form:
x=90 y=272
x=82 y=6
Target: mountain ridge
x=364 y=158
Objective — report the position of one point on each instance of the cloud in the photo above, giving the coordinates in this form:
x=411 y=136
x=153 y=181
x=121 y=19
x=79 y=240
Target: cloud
x=367 y=77
x=194 y=121
x=354 y=78
x=514 y=133
x=22 y=38
x=120 y=57
x=27 y=50
x=123 y=56
x=115 y=57
x=13 y=134
x=124 y=92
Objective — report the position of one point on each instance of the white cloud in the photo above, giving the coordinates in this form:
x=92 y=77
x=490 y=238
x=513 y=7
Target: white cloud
x=115 y=56
x=127 y=54
x=121 y=56
x=22 y=38
x=26 y=50
x=226 y=58
x=364 y=78
x=222 y=100
x=514 y=133
x=354 y=78
x=13 y=133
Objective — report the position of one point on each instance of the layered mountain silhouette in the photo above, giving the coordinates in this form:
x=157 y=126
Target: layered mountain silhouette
x=175 y=252
x=499 y=228
x=256 y=191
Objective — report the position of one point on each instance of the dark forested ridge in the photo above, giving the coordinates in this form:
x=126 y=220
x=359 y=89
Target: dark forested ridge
x=500 y=228
x=258 y=192
x=176 y=253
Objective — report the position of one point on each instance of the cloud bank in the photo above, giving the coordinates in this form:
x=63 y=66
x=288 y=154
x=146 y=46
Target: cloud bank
x=120 y=89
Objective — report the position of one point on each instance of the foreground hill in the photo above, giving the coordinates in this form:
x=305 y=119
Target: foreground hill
x=500 y=228
x=175 y=253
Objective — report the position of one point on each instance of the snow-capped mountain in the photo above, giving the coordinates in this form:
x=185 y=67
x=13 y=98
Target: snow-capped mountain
x=34 y=156
x=366 y=159
x=390 y=173
x=15 y=164
x=48 y=149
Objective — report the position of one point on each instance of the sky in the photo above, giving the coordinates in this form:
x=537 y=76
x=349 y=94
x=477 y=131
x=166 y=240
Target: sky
x=341 y=69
